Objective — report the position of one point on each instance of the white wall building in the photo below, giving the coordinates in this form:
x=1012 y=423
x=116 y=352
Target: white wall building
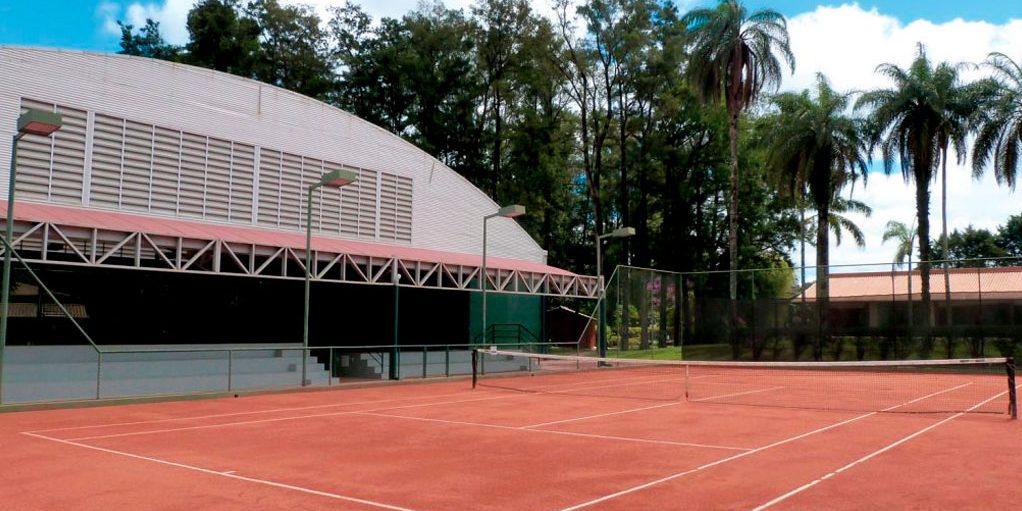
x=169 y=167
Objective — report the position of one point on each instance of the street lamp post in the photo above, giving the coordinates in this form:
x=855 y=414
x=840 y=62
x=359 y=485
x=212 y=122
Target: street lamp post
x=512 y=211
x=601 y=342
x=333 y=179
x=32 y=122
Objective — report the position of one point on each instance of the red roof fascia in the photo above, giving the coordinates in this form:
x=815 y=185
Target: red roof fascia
x=159 y=226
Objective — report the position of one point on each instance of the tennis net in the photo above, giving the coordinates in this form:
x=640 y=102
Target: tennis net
x=981 y=385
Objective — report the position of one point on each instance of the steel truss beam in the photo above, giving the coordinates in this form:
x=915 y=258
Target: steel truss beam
x=51 y=243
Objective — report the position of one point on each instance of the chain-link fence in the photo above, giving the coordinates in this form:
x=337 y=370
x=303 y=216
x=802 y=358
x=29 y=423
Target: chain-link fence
x=968 y=308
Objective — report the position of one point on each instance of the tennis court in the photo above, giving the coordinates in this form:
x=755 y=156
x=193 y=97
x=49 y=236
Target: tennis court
x=562 y=434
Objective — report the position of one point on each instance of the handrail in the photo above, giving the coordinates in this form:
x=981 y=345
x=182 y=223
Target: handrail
x=381 y=347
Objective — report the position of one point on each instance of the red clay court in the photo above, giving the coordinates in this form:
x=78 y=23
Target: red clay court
x=627 y=437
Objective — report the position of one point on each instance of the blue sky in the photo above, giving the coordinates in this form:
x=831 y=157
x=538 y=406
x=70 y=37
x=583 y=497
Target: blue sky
x=80 y=23
x=938 y=11
x=59 y=23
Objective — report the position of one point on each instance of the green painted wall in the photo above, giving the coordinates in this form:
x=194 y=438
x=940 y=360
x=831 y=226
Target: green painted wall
x=525 y=310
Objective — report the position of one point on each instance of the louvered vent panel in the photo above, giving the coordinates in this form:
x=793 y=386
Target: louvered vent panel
x=403 y=206
x=292 y=196
x=107 y=156
x=68 y=171
x=52 y=168
x=312 y=171
x=269 y=187
x=366 y=208
x=136 y=166
x=166 y=170
x=218 y=180
x=388 y=206
x=329 y=204
x=349 y=209
x=242 y=181
x=191 y=193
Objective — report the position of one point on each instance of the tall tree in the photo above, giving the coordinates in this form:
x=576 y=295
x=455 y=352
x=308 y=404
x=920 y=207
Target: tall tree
x=733 y=56
x=904 y=236
x=147 y=42
x=970 y=248
x=999 y=137
x=839 y=223
x=295 y=51
x=906 y=121
x=502 y=27
x=221 y=38
x=815 y=146
x=957 y=105
x=579 y=71
x=1009 y=239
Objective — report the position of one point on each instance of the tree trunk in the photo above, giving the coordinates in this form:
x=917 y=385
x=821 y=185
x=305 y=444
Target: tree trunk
x=923 y=210
x=497 y=140
x=823 y=275
x=732 y=236
x=948 y=334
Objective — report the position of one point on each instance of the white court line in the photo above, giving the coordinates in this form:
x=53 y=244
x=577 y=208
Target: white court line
x=235 y=414
x=874 y=454
x=733 y=394
x=557 y=432
x=301 y=408
x=266 y=482
x=608 y=414
x=317 y=415
x=281 y=419
x=747 y=453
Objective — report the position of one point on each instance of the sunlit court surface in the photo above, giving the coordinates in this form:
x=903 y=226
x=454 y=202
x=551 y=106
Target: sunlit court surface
x=542 y=433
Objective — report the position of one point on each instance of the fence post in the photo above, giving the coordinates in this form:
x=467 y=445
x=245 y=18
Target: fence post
x=230 y=368
x=425 y=356
x=475 y=365
x=1012 y=393
x=447 y=360
x=99 y=371
x=330 y=373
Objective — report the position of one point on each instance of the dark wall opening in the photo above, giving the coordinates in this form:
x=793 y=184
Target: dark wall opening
x=140 y=307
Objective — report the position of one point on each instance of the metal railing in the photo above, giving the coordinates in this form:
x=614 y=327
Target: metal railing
x=139 y=372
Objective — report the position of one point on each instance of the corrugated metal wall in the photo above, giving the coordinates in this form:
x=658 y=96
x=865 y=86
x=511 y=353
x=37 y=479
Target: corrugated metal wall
x=171 y=140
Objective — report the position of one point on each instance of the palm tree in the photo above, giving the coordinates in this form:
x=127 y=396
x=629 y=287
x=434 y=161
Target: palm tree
x=904 y=236
x=906 y=122
x=958 y=105
x=816 y=148
x=999 y=135
x=840 y=223
x=733 y=56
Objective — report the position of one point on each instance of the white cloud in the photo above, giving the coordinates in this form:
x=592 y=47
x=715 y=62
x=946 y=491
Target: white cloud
x=107 y=13
x=847 y=43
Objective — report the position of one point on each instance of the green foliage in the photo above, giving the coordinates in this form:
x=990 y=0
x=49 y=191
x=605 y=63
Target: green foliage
x=999 y=137
x=1009 y=236
x=146 y=42
x=221 y=38
x=971 y=243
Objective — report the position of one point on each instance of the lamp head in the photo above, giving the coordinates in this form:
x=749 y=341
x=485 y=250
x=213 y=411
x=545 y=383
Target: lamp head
x=338 y=178
x=39 y=122
x=512 y=211
x=623 y=232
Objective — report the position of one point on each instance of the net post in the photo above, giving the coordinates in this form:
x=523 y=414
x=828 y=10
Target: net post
x=1012 y=394
x=686 y=382
x=475 y=367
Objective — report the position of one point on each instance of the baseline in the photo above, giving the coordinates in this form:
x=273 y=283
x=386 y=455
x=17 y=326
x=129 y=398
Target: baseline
x=228 y=474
